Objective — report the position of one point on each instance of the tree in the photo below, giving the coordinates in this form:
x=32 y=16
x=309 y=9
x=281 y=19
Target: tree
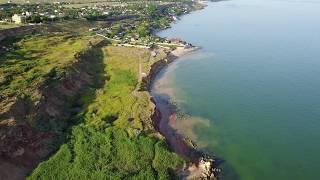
x=151 y=11
x=34 y=19
x=143 y=30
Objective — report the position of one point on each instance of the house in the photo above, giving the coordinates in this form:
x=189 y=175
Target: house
x=18 y=19
x=175 y=40
x=27 y=13
x=174 y=18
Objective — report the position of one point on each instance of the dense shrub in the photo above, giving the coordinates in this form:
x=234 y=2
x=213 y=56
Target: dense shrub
x=112 y=153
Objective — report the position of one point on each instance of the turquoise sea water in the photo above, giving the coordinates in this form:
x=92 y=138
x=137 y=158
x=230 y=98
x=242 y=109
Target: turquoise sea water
x=253 y=90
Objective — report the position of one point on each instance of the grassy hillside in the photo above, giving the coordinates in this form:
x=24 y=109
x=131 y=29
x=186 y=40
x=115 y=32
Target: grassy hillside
x=41 y=78
x=28 y=61
x=118 y=100
x=115 y=138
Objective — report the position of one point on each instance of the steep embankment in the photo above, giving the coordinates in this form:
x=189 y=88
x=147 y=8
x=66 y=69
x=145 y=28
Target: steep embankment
x=116 y=138
x=40 y=80
x=51 y=82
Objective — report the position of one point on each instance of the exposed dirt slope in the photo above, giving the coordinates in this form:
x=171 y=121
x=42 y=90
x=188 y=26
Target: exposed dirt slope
x=30 y=126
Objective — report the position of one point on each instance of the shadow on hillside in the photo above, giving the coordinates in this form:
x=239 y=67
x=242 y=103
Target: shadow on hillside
x=78 y=105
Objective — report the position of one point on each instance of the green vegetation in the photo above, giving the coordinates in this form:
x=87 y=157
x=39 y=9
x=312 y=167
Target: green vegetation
x=49 y=83
x=28 y=61
x=115 y=137
x=143 y=30
x=116 y=101
x=63 y=80
x=108 y=154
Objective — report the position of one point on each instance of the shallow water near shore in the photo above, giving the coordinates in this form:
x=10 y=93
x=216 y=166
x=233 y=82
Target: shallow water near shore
x=251 y=92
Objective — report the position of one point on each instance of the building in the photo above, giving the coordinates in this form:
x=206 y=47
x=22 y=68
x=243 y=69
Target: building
x=18 y=19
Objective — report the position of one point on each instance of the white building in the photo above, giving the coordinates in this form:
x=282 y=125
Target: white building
x=18 y=19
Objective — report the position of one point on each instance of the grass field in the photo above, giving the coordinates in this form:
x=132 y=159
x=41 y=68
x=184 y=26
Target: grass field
x=114 y=139
x=25 y=65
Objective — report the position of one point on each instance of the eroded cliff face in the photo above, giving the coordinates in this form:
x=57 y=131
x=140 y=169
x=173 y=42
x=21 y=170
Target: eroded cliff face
x=155 y=69
x=31 y=126
x=200 y=166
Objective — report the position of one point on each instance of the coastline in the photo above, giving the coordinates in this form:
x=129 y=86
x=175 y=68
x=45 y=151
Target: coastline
x=199 y=165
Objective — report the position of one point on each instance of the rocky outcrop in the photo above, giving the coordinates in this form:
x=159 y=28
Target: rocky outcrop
x=204 y=169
